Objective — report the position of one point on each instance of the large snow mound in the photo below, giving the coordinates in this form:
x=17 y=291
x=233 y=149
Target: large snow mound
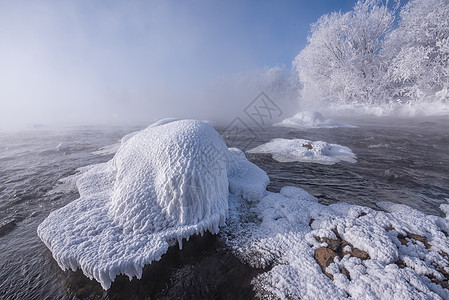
x=165 y=183
x=309 y=119
x=399 y=253
x=286 y=150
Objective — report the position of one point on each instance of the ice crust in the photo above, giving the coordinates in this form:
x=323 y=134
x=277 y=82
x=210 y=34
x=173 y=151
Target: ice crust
x=165 y=183
x=288 y=150
x=279 y=232
x=311 y=119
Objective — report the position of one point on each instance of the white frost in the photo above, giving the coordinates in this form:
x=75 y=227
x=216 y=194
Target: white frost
x=279 y=232
x=308 y=119
x=285 y=150
x=165 y=183
x=245 y=178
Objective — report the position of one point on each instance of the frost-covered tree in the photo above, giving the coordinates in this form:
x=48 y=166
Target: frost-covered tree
x=418 y=51
x=342 y=62
x=279 y=82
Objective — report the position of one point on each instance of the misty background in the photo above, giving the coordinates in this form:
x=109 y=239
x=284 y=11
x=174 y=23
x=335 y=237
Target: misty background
x=122 y=62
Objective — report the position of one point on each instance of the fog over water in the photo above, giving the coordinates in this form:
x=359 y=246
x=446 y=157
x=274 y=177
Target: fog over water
x=94 y=62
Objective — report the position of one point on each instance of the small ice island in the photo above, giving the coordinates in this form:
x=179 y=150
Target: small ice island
x=177 y=178
x=285 y=150
x=311 y=119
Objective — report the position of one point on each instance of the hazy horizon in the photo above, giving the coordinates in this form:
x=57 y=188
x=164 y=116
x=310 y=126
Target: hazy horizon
x=114 y=63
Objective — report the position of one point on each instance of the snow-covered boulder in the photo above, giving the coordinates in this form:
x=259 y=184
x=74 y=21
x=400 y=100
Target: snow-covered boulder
x=309 y=119
x=165 y=183
x=286 y=150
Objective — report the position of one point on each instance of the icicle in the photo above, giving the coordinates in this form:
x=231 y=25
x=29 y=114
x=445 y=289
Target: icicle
x=180 y=243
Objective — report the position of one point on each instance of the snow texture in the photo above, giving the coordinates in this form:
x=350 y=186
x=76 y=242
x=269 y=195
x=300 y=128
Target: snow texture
x=245 y=178
x=165 y=183
x=308 y=119
x=280 y=233
x=285 y=150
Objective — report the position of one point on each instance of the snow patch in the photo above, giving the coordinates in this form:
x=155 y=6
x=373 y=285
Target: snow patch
x=308 y=119
x=285 y=150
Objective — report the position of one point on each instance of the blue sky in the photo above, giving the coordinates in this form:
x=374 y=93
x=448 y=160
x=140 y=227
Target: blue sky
x=83 y=60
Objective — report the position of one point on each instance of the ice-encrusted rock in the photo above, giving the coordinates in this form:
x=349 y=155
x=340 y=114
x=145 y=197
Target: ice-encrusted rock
x=289 y=150
x=405 y=251
x=245 y=178
x=310 y=119
x=165 y=183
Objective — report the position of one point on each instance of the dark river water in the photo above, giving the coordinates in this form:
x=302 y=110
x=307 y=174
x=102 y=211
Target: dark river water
x=403 y=161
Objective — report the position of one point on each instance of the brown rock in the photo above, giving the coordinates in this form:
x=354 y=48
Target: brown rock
x=444 y=284
x=308 y=146
x=443 y=271
x=400 y=263
x=363 y=214
x=324 y=257
x=346 y=243
x=420 y=238
x=444 y=254
x=311 y=221
x=388 y=229
x=334 y=245
x=360 y=254
x=402 y=239
x=343 y=245
x=335 y=231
